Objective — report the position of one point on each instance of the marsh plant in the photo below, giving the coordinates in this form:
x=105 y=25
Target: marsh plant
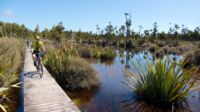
x=71 y=72
x=85 y=52
x=11 y=56
x=164 y=83
x=106 y=53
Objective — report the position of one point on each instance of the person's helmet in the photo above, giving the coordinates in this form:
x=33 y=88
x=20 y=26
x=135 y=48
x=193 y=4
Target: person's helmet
x=37 y=37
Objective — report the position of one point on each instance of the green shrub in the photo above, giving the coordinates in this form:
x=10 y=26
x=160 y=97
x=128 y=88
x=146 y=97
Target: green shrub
x=121 y=53
x=166 y=49
x=140 y=41
x=152 y=48
x=164 y=83
x=160 y=43
x=189 y=57
x=85 y=52
x=108 y=53
x=122 y=44
x=173 y=43
x=192 y=58
x=103 y=53
x=55 y=60
x=173 y=50
x=130 y=44
x=80 y=74
x=11 y=57
x=96 y=53
x=71 y=72
x=159 y=54
x=197 y=58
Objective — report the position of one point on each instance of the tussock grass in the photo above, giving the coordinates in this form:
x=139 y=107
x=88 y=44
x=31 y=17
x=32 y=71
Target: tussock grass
x=152 y=48
x=85 y=52
x=164 y=83
x=11 y=57
x=106 y=53
x=71 y=72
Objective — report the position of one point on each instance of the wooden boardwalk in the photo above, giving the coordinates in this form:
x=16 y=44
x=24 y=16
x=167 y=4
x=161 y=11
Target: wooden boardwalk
x=43 y=94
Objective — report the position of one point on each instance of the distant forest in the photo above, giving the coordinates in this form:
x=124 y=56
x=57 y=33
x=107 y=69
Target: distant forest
x=110 y=32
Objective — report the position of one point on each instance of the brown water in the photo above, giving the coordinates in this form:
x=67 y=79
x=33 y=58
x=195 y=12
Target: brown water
x=115 y=96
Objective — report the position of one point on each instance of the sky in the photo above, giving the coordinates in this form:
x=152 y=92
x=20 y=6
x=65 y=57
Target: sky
x=86 y=14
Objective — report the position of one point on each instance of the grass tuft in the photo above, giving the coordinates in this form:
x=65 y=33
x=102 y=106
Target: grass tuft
x=71 y=72
x=164 y=83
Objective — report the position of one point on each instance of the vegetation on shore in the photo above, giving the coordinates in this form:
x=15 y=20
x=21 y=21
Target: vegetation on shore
x=11 y=58
x=70 y=71
x=105 y=53
x=66 y=50
x=175 y=41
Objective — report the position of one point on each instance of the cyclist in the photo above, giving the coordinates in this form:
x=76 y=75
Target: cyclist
x=37 y=47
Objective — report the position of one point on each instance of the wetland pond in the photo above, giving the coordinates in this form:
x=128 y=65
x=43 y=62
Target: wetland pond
x=113 y=95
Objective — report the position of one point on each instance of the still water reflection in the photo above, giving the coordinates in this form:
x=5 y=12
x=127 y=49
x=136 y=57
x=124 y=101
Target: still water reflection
x=115 y=96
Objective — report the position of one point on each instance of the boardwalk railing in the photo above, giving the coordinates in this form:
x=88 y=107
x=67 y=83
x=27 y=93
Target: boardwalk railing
x=43 y=94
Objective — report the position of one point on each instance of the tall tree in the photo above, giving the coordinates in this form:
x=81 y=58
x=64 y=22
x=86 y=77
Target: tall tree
x=109 y=29
x=196 y=34
x=155 y=29
x=45 y=33
x=176 y=28
x=115 y=30
x=123 y=29
x=146 y=33
x=128 y=23
x=57 y=32
x=140 y=28
x=98 y=29
x=37 y=30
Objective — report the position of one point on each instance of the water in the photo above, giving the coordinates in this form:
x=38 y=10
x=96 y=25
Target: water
x=20 y=106
x=113 y=95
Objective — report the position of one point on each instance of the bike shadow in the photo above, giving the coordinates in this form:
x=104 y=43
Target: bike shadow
x=32 y=74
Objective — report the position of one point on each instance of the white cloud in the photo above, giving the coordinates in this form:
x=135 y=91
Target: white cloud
x=7 y=14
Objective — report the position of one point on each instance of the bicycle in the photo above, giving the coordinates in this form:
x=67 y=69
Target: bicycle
x=38 y=63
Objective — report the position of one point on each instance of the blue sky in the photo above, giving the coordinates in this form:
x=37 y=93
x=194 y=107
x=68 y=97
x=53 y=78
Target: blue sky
x=86 y=14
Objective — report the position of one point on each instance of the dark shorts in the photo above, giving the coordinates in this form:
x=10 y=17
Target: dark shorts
x=37 y=53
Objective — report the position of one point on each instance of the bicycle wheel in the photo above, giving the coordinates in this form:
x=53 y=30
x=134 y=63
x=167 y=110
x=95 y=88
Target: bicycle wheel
x=37 y=66
x=40 y=70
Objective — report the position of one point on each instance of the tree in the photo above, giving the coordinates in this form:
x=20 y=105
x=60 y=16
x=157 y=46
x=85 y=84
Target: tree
x=37 y=30
x=98 y=29
x=57 y=32
x=155 y=29
x=14 y=30
x=146 y=33
x=184 y=32
x=45 y=33
x=59 y=28
x=102 y=32
x=197 y=29
x=128 y=24
x=123 y=28
x=170 y=32
x=182 y=29
x=109 y=29
x=1 y=31
x=176 y=28
x=115 y=30
x=140 y=28
x=196 y=34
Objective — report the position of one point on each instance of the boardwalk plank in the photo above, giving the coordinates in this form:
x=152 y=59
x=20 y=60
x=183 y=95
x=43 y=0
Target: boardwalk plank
x=43 y=94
